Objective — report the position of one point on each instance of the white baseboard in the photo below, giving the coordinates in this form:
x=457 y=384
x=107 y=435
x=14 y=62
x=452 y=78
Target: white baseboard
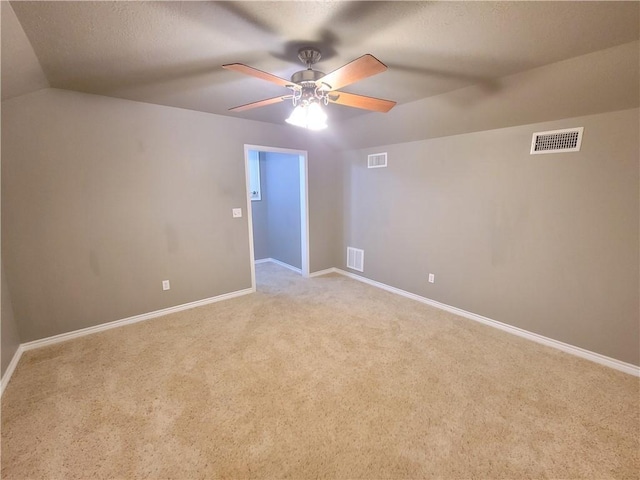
x=278 y=262
x=323 y=272
x=573 y=350
x=10 y=369
x=565 y=347
x=63 y=337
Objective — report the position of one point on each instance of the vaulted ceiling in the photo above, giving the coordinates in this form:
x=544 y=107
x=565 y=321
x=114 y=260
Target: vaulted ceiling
x=171 y=53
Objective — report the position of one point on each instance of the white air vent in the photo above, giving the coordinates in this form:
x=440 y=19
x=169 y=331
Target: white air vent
x=355 y=259
x=567 y=140
x=377 y=160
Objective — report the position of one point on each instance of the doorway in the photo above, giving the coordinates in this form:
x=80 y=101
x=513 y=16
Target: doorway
x=279 y=226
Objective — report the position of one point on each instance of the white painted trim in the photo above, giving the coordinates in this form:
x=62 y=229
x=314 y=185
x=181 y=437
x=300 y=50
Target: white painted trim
x=10 y=369
x=262 y=260
x=323 y=272
x=573 y=350
x=263 y=148
x=135 y=319
x=247 y=186
x=107 y=326
x=304 y=215
x=63 y=337
x=565 y=347
x=282 y=264
x=304 y=204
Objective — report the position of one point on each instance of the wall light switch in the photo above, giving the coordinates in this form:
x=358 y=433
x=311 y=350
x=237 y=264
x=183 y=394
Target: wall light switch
x=237 y=212
x=166 y=285
x=432 y=278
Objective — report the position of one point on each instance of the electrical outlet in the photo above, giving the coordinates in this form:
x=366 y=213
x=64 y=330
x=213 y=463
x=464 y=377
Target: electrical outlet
x=236 y=212
x=166 y=285
x=432 y=278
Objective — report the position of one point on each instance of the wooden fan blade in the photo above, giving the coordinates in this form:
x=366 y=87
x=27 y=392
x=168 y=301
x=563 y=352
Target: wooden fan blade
x=254 y=72
x=260 y=103
x=360 y=101
x=363 y=67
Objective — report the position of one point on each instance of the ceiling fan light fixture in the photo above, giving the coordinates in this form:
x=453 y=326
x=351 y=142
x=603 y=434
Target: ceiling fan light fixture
x=309 y=116
x=312 y=88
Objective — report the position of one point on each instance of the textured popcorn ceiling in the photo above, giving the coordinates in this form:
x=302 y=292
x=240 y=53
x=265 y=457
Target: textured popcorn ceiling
x=170 y=53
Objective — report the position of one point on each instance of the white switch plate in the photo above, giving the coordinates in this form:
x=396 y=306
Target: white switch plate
x=432 y=278
x=166 y=285
x=237 y=212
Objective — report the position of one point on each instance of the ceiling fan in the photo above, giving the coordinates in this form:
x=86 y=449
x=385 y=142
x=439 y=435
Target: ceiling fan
x=312 y=88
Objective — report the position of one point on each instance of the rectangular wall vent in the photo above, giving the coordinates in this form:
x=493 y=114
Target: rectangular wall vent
x=355 y=259
x=567 y=140
x=377 y=160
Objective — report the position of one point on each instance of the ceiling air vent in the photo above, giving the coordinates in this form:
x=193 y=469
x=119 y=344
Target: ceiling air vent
x=377 y=160
x=567 y=140
x=355 y=259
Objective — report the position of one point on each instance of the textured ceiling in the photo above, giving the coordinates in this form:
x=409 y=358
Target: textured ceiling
x=170 y=53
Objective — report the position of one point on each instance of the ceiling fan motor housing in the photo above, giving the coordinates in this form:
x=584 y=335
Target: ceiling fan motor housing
x=306 y=76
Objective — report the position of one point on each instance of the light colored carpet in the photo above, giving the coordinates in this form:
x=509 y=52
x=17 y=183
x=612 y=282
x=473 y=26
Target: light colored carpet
x=323 y=377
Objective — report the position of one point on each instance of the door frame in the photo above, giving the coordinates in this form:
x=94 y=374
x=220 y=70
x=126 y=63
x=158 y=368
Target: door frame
x=304 y=204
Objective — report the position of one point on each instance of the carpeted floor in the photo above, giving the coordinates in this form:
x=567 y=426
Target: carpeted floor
x=323 y=377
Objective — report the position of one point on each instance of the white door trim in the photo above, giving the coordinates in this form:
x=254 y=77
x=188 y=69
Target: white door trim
x=304 y=204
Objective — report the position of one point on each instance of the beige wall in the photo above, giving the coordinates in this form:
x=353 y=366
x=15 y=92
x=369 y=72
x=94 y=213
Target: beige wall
x=9 y=333
x=548 y=243
x=602 y=81
x=21 y=71
x=102 y=199
x=325 y=199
